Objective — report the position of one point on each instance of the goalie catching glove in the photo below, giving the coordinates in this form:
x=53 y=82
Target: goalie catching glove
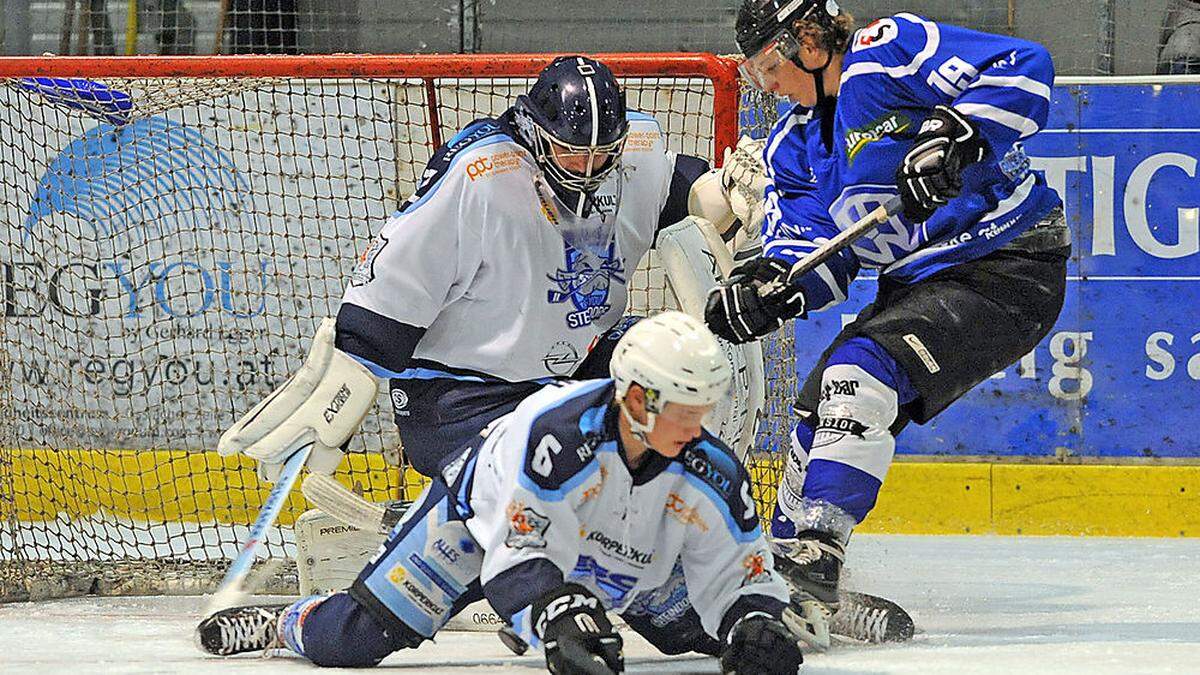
x=931 y=173
x=736 y=311
x=576 y=633
x=759 y=644
x=323 y=404
x=734 y=191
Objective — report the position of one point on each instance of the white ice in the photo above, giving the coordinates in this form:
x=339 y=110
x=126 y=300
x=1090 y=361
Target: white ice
x=981 y=604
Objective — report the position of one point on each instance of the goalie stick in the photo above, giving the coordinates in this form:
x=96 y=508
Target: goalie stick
x=333 y=498
x=233 y=586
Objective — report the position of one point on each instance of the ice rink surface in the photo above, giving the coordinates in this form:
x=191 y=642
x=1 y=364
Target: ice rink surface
x=981 y=605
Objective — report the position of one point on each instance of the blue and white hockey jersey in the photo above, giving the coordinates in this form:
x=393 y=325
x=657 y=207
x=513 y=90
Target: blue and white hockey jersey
x=549 y=494
x=895 y=71
x=472 y=281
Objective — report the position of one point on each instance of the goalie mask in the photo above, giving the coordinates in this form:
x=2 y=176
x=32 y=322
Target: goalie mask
x=767 y=37
x=573 y=121
x=675 y=359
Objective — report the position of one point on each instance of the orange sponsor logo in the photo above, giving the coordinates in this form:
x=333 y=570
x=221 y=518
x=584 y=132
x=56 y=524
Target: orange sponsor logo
x=688 y=515
x=594 y=490
x=756 y=568
x=641 y=141
x=493 y=165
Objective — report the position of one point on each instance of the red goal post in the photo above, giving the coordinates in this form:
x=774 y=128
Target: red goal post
x=162 y=273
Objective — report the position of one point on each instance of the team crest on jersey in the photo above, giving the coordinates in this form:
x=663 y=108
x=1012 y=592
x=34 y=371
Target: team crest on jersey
x=364 y=269
x=526 y=527
x=875 y=34
x=585 y=281
x=892 y=239
x=859 y=138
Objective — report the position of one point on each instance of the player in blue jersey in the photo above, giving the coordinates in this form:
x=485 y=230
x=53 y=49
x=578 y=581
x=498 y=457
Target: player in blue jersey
x=594 y=496
x=971 y=273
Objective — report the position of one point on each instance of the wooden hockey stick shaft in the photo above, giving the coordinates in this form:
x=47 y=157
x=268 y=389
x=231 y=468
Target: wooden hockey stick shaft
x=832 y=247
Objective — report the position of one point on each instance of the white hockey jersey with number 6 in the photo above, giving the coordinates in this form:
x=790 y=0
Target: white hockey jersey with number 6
x=550 y=482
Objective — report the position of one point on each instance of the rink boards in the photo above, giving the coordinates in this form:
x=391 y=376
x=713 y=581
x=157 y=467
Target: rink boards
x=918 y=497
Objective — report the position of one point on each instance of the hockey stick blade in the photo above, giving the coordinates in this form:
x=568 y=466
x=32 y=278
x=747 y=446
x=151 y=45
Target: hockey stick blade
x=331 y=497
x=830 y=248
x=232 y=586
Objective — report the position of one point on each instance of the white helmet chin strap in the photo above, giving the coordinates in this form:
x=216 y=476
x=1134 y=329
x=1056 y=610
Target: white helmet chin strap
x=636 y=428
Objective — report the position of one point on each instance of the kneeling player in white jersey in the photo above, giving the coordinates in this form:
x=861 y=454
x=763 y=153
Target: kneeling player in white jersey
x=508 y=264
x=590 y=497
x=905 y=113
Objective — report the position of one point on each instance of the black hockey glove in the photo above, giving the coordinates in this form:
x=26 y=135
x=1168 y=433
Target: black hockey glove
x=931 y=173
x=737 y=313
x=576 y=633
x=759 y=644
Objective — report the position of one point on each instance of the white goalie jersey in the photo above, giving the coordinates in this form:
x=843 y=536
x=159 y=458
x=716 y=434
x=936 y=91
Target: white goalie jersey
x=476 y=258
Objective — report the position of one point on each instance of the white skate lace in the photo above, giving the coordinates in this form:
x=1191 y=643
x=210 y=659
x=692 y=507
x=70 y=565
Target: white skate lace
x=861 y=622
x=246 y=632
x=804 y=552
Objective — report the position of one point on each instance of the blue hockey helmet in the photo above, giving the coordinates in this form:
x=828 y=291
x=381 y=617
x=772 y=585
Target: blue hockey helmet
x=573 y=121
x=767 y=37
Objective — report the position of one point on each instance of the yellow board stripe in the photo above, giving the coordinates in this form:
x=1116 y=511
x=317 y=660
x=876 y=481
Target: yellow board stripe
x=167 y=485
x=917 y=497
x=1040 y=499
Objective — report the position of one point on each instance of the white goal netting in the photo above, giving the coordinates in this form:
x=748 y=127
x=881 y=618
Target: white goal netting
x=164 y=268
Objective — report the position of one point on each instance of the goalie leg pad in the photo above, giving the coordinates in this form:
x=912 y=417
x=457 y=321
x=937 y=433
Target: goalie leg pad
x=427 y=570
x=693 y=262
x=329 y=553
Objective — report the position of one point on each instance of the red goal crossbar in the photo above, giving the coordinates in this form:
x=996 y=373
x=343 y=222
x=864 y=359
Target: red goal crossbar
x=721 y=71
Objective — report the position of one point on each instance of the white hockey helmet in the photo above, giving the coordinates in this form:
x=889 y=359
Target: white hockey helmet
x=676 y=359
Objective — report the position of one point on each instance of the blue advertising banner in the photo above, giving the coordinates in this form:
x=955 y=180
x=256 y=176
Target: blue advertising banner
x=1119 y=375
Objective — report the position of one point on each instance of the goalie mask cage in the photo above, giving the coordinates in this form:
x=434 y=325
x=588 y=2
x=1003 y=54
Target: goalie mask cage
x=175 y=230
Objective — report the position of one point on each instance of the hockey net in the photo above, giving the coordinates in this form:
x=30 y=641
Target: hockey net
x=165 y=267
